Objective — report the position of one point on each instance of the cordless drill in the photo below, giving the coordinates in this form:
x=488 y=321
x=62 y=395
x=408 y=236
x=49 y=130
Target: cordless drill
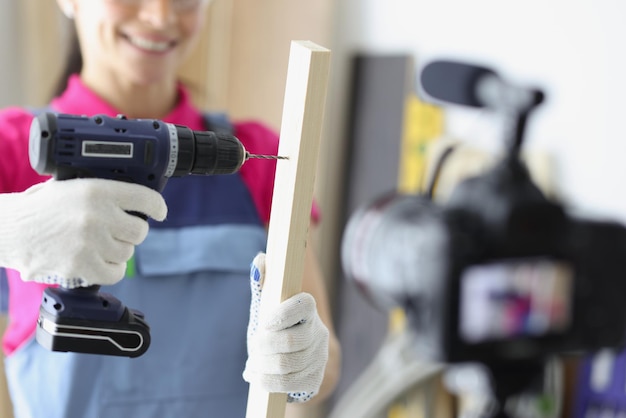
x=141 y=151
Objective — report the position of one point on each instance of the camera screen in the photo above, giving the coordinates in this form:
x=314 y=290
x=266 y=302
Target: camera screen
x=515 y=298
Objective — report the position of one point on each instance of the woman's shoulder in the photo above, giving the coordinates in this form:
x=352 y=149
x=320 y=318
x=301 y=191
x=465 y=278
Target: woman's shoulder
x=14 y=127
x=16 y=173
x=15 y=118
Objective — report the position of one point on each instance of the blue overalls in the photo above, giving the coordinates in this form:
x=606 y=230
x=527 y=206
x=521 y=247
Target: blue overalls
x=192 y=284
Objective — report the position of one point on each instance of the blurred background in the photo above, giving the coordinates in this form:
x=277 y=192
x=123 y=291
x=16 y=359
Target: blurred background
x=377 y=127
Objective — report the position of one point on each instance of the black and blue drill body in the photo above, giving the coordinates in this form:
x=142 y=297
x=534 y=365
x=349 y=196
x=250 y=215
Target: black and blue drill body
x=140 y=151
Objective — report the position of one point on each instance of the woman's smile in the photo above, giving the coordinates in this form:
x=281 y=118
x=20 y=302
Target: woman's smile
x=150 y=44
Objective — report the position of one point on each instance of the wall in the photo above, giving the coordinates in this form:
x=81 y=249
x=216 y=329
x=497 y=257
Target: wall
x=262 y=32
x=572 y=48
x=8 y=48
x=10 y=93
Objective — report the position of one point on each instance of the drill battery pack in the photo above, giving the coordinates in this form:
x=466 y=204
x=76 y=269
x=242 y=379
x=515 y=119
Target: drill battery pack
x=84 y=320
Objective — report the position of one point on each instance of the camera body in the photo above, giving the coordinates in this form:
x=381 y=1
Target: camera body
x=498 y=274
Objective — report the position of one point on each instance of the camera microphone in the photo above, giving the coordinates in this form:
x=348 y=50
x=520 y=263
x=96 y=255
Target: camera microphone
x=475 y=86
x=454 y=82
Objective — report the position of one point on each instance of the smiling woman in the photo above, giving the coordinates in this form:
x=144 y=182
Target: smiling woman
x=132 y=49
x=45 y=36
x=191 y=276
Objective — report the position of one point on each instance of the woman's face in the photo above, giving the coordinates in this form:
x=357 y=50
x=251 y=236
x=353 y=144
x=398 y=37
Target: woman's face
x=138 y=41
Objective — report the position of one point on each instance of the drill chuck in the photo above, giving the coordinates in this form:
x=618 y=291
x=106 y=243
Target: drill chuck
x=207 y=152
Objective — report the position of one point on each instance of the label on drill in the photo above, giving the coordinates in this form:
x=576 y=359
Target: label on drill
x=107 y=149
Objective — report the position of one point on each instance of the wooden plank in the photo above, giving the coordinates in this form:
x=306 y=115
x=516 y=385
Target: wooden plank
x=303 y=111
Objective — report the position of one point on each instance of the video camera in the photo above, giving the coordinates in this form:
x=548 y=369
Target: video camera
x=499 y=274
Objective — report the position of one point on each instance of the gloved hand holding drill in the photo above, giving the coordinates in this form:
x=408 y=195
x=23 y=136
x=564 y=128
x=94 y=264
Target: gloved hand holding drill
x=288 y=347
x=75 y=232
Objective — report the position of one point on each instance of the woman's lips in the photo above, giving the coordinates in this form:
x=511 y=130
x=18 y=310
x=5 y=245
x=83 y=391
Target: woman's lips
x=150 y=45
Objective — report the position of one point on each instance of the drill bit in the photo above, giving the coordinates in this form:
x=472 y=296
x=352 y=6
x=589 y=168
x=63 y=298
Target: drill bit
x=265 y=157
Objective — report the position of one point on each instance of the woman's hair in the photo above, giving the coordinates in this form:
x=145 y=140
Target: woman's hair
x=73 y=63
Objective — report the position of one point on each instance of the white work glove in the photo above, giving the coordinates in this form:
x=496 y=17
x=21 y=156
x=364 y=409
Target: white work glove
x=288 y=347
x=75 y=232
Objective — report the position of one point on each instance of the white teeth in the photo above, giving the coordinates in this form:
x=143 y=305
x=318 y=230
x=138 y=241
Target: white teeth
x=150 y=45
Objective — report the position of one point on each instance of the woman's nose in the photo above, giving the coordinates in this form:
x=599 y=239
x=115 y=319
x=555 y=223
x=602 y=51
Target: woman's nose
x=158 y=13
